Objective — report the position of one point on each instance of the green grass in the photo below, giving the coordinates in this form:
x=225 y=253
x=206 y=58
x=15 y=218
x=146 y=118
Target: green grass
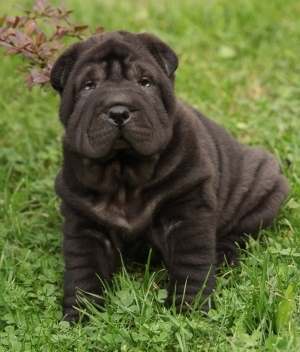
x=239 y=63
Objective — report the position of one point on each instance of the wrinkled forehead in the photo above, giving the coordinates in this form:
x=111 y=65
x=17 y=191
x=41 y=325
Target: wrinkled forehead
x=114 y=57
x=114 y=46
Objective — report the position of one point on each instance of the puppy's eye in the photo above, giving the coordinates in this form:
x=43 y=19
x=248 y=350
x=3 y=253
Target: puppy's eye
x=145 y=82
x=89 y=85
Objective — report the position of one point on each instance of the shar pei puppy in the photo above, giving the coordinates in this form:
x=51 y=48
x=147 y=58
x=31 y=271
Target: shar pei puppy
x=141 y=169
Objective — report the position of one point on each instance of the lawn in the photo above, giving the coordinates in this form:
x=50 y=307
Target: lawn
x=239 y=64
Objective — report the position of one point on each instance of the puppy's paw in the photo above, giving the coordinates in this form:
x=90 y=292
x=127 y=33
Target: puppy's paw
x=71 y=315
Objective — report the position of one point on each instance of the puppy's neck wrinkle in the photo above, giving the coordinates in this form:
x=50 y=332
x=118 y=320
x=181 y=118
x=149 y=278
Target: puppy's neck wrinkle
x=115 y=174
x=116 y=181
x=107 y=193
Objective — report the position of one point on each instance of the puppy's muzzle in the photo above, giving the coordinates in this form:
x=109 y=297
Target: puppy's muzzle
x=118 y=115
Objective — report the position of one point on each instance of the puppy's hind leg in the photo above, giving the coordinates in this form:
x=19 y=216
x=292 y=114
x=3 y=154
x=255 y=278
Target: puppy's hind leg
x=257 y=211
x=266 y=209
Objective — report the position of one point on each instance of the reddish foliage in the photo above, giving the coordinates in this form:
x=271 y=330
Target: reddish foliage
x=39 y=36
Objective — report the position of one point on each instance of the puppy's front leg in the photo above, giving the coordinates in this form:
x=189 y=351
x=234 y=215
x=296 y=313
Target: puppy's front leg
x=191 y=258
x=89 y=255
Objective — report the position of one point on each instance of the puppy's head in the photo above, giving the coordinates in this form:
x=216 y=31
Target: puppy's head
x=116 y=94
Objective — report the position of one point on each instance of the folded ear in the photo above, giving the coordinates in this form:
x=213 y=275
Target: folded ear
x=63 y=66
x=163 y=54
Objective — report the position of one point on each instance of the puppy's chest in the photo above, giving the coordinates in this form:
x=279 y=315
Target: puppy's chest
x=118 y=199
x=125 y=210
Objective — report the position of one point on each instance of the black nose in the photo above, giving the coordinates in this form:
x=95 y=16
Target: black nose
x=118 y=115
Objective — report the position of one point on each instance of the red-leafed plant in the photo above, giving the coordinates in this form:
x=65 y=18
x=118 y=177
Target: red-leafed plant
x=39 y=36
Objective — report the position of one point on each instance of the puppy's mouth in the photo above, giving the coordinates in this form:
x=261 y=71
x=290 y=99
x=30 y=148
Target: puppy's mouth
x=121 y=148
x=125 y=155
x=121 y=144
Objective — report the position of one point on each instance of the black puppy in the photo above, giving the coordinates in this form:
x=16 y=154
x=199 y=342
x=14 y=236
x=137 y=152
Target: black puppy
x=142 y=169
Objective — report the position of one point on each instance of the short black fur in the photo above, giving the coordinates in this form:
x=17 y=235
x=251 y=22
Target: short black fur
x=142 y=169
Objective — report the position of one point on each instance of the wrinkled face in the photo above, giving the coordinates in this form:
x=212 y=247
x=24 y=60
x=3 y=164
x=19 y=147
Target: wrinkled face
x=117 y=99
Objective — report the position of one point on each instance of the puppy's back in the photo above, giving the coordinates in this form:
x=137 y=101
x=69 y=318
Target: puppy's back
x=250 y=187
